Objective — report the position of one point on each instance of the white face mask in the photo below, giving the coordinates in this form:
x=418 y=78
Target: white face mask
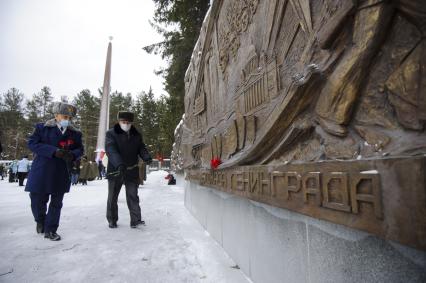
x=125 y=127
x=64 y=123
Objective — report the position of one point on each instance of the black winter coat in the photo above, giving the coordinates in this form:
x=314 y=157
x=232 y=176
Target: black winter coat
x=125 y=148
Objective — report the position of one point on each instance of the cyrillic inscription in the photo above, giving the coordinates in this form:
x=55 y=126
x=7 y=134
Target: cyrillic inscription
x=339 y=191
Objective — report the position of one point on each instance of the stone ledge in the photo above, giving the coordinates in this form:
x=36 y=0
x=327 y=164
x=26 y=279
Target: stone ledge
x=385 y=197
x=271 y=244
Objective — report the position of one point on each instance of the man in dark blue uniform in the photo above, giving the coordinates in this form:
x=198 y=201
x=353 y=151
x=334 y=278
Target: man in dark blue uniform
x=123 y=147
x=55 y=144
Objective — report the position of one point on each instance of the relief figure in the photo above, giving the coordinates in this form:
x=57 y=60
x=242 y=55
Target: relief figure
x=372 y=19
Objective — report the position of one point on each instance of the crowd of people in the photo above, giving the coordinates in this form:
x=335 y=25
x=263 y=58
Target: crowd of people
x=84 y=170
x=16 y=171
x=81 y=171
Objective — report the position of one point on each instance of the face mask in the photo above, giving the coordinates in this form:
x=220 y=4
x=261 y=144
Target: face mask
x=64 y=123
x=125 y=127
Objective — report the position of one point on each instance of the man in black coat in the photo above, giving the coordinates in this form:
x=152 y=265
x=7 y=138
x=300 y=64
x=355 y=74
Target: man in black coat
x=124 y=146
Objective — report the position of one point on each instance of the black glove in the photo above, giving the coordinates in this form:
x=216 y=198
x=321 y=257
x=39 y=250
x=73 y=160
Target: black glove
x=148 y=161
x=60 y=153
x=64 y=154
x=121 y=171
x=68 y=156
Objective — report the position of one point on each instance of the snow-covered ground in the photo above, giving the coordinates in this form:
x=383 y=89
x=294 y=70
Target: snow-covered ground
x=172 y=247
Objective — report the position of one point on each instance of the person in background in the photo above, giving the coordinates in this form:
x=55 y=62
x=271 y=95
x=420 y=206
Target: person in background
x=10 y=172
x=23 y=169
x=84 y=171
x=105 y=163
x=171 y=178
x=124 y=146
x=56 y=144
x=13 y=171
x=2 y=171
x=75 y=172
x=93 y=170
x=100 y=169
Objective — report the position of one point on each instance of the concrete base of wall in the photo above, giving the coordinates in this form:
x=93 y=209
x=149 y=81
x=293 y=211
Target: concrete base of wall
x=276 y=245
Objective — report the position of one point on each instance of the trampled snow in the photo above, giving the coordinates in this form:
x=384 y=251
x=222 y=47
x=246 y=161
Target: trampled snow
x=172 y=247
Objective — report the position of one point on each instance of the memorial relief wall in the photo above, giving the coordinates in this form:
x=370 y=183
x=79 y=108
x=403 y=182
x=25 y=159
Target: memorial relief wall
x=316 y=106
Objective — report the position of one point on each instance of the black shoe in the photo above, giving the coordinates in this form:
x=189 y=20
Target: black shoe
x=40 y=228
x=52 y=236
x=112 y=225
x=137 y=223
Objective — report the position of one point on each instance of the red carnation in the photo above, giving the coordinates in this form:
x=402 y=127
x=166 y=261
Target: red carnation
x=62 y=144
x=65 y=144
x=215 y=162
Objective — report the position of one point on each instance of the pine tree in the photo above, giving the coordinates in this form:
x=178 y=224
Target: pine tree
x=87 y=119
x=177 y=47
x=147 y=121
x=13 y=124
x=38 y=108
x=166 y=125
x=12 y=101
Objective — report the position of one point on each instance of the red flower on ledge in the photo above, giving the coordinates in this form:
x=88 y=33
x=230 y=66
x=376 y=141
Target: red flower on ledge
x=215 y=162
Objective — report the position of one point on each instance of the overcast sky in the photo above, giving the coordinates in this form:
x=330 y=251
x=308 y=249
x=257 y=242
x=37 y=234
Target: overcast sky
x=63 y=43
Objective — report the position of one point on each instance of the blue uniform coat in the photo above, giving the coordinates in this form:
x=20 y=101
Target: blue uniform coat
x=50 y=175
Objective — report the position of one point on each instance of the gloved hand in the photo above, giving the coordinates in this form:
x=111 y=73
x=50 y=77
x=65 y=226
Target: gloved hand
x=60 y=153
x=148 y=161
x=121 y=171
x=64 y=154
x=68 y=156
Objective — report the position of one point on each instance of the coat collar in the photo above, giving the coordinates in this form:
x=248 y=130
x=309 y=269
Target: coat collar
x=118 y=130
x=52 y=123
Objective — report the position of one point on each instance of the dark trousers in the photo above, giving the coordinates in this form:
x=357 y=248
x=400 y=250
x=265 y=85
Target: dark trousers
x=39 y=209
x=11 y=177
x=132 y=198
x=21 y=177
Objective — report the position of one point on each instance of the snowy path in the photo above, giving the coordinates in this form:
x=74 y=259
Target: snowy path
x=173 y=247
